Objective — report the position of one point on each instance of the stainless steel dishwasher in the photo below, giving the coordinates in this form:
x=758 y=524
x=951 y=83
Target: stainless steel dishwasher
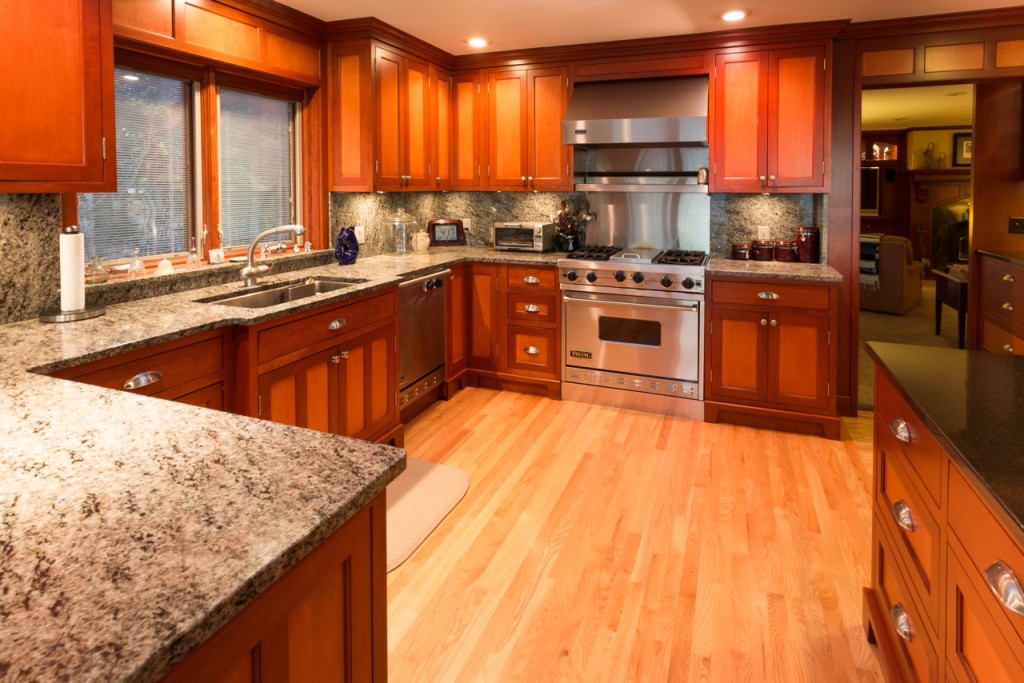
x=421 y=342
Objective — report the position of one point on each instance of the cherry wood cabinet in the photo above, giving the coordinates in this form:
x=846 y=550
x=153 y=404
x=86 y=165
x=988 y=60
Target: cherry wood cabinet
x=57 y=126
x=325 y=619
x=484 y=320
x=456 y=305
x=770 y=121
x=468 y=131
x=1000 y=326
x=350 y=109
x=441 y=128
x=403 y=114
x=369 y=383
x=771 y=358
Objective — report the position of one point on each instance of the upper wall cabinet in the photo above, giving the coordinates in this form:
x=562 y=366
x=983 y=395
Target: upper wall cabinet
x=441 y=127
x=57 y=120
x=770 y=121
x=469 y=120
x=403 y=158
x=350 y=117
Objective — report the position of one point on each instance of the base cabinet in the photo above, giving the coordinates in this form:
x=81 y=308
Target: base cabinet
x=324 y=620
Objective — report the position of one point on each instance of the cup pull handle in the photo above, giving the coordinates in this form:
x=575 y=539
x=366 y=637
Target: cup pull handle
x=1008 y=277
x=1005 y=587
x=901 y=513
x=1007 y=306
x=338 y=323
x=900 y=429
x=531 y=308
x=531 y=351
x=901 y=622
x=143 y=379
x=1008 y=348
x=768 y=296
x=531 y=280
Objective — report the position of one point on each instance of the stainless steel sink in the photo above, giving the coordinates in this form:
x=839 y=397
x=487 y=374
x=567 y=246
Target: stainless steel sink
x=282 y=292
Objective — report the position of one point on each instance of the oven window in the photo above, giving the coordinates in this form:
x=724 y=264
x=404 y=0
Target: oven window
x=629 y=331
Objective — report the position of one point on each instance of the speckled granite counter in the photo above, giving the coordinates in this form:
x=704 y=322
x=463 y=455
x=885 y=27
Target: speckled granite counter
x=131 y=528
x=971 y=401
x=774 y=269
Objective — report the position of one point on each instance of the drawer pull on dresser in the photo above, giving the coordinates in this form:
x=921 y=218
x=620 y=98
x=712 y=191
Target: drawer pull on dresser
x=1008 y=277
x=531 y=280
x=900 y=429
x=901 y=622
x=1007 y=306
x=1008 y=348
x=337 y=324
x=531 y=308
x=143 y=379
x=1004 y=585
x=768 y=296
x=531 y=350
x=901 y=513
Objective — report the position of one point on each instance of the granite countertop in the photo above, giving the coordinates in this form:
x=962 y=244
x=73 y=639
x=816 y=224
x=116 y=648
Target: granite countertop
x=971 y=400
x=774 y=269
x=132 y=528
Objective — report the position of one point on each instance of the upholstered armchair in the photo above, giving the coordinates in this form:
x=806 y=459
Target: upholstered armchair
x=895 y=286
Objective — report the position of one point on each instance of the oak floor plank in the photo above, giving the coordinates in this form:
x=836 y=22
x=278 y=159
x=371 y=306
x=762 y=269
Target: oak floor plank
x=598 y=544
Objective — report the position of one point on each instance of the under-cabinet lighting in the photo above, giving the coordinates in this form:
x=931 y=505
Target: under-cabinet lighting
x=735 y=15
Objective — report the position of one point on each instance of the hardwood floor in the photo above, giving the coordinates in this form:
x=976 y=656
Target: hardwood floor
x=598 y=544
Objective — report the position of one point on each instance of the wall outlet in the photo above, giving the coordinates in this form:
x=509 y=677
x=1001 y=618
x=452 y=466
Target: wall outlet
x=466 y=224
x=1017 y=225
x=763 y=233
x=360 y=231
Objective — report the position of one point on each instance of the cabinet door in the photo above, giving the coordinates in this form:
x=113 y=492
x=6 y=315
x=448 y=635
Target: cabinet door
x=57 y=124
x=417 y=114
x=441 y=129
x=368 y=383
x=389 y=166
x=303 y=393
x=798 y=348
x=738 y=348
x=350 y=118
x=468 y=124
x=796 y=118
x=507 y=139
x=741 y=127
x=456 y=299
x=484 y=331
x=547 y=96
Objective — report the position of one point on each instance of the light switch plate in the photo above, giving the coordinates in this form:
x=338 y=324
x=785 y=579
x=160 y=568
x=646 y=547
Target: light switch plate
x=763 y=233
x=466 y=224
x=360 y=231
x=1017 y=225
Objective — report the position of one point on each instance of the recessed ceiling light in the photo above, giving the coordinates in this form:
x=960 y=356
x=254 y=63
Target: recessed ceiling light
x=130 y=77
x=478 y=42
x=735 y=15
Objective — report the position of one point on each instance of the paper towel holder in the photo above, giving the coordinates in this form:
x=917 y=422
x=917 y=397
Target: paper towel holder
x=57 y=315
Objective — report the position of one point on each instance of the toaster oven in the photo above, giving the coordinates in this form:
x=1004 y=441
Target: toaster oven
x=523 y=236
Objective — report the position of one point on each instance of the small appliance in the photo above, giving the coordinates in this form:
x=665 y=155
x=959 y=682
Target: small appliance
x=535 y=236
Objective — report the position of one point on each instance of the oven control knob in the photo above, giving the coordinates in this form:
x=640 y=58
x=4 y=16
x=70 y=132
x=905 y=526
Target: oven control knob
x=638 y=277
x=591 y=276
x=688 y=282
x=620 y=276
x=571 y=276
x=666 y=281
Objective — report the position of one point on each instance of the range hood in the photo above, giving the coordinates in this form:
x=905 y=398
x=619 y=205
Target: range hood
x=663 y=111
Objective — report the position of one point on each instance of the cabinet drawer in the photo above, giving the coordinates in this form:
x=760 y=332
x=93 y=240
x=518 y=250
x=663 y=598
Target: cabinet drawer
x=532 y=349
x=530 y=307
x=335 y=322
x=1002 y=303
x=997 y=336
x=771 y=294
x=158 y=370
x=914 y=648
x=987 y=543
x=531 y=277
x=916 y=535
x=922 y=451
x=998 y=275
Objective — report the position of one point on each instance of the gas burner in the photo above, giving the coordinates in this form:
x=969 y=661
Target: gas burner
x=594 y=253
x=679 y=257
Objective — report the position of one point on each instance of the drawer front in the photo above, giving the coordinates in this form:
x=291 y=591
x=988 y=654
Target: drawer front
x=335 y=322
x=977 y=648
x=532 y=350
x=999 y=275
x=915 y=646
x=922 y=451
x=910 y=523
x=162 y=370
x=772 y=295
x=1002 y=303
x=532 y=308
x=531 y=277
x=996 y=336
x=987 y=543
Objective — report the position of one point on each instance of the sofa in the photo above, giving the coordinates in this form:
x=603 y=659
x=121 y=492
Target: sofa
x=890 y=279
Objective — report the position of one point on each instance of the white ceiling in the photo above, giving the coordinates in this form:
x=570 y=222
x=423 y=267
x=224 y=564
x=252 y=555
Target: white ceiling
x=519 y=24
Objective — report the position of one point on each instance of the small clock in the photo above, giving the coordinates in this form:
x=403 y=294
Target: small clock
x=445 y=233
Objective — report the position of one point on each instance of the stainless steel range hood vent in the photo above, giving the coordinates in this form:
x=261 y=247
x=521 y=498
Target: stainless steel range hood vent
x=664 y=111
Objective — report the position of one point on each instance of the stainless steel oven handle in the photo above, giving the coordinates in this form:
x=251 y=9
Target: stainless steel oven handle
x=691 y=306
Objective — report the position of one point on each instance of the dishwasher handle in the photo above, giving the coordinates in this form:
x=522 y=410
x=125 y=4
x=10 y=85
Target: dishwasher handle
x=423 y=279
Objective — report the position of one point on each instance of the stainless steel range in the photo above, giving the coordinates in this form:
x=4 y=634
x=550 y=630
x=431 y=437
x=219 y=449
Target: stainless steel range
x=633 y=328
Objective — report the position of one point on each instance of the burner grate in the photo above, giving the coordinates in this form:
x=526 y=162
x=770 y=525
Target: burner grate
x=682 y=258
x=594 y=253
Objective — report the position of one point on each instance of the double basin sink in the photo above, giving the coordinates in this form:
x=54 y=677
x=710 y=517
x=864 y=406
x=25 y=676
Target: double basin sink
x=282 y=292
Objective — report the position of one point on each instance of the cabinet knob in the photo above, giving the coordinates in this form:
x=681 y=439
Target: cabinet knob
x=529 y=178
x=1008 y=277
x=900 y=429
x=1008 y=348
x=771 y=178
x=1007 y=306
x=335 y=359
x=1005 y=586
x=438 y=179
x=143 y=379
x=531 y=351
x=531 y=308
x=901 y=622
x=763 y=181
x=775 y=323
x=531 y=280
x=763 y=322
x=522 y=178
x=337 y=324
x=901 y=513
x=768 y=296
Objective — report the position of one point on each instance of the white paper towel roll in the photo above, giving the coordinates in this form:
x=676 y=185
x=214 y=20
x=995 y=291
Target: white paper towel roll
x=72 y=271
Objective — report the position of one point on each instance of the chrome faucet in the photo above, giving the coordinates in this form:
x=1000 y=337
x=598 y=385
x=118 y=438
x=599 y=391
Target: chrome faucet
x=251 y=272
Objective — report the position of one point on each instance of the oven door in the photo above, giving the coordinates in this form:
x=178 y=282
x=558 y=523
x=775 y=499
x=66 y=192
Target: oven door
x=651 y=337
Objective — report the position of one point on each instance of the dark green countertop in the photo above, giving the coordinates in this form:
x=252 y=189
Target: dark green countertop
x=973 y=401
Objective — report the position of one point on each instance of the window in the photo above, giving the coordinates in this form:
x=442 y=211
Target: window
x=150 y=209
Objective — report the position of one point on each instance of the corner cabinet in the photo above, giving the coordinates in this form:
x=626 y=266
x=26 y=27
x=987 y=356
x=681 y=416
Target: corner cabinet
x=771 y=120
x=770 y=358
x=59 y=137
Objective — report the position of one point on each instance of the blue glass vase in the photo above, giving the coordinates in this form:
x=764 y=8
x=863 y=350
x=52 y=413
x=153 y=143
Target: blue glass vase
x=347 y=248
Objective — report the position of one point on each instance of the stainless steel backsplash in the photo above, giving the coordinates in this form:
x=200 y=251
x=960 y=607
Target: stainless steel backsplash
x=662 y=220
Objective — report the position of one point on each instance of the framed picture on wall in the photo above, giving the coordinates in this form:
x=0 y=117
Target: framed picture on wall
x=963 y=149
